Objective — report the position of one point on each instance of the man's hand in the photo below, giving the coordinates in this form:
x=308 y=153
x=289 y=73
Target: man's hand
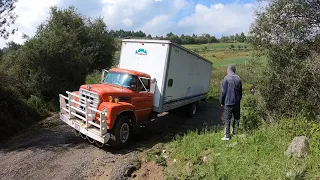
x=221 y=105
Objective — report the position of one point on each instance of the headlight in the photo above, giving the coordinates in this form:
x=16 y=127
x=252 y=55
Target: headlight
x=116 y=100
x=110 y=98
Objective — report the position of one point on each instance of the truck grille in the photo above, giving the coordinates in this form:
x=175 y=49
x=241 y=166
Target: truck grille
x=93 y=98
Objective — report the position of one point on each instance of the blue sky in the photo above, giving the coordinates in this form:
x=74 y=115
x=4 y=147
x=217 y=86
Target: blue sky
x=155 y=17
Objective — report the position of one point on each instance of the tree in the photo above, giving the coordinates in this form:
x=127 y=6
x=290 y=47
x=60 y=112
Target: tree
x=7 y=17
x=63 y=51
x=242 y=37
x=232 y=38
x=224 y=39
x=237 y=37
x=175 y=38
x=169 y=34
x=213 y=39
x=188 y=40
x=201 y=40
x=287 y=32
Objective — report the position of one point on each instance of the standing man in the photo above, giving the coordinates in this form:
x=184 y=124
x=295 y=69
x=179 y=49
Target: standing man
x=231 y=94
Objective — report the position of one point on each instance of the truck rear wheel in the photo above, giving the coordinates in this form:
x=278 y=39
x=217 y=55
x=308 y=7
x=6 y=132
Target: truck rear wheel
x=192 y=109
x=121 y=131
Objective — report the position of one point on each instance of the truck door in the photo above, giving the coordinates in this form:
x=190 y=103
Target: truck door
x=143 y=100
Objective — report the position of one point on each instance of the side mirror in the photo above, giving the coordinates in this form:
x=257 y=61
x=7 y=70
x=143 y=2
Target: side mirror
x=104 y=74
x=153 y=85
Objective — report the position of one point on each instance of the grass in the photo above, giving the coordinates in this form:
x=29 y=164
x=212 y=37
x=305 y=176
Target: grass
x=221 y=55
x=259 y=155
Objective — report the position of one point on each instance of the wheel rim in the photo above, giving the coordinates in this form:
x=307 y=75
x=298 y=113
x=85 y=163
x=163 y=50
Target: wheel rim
x=194 y=108
x=124 y=132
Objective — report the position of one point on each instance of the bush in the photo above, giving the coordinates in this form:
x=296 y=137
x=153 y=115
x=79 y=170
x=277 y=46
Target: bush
x=93 y=78
x=252 y=112
x=39 y=104
x=15 y=113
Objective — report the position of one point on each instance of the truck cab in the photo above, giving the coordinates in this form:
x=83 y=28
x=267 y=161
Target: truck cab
x=123 y=97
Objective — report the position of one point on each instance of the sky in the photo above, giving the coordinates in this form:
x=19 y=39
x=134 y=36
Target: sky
x=155 y=17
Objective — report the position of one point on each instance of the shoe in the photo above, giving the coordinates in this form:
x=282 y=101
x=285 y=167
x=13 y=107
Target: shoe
x=225 y=139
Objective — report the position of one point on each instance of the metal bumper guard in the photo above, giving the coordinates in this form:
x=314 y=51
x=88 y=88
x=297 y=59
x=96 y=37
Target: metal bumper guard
x=85 y=125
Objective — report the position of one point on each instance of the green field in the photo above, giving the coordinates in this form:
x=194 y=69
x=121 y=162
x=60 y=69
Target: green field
x=220 y=54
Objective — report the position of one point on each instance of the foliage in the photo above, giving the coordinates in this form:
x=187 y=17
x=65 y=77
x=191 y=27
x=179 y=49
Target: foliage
x=183 y=39
x=65 y=48
x=252 y=111
x=93 y=78
x=7 y=17
x=288 y=34
x=15 y=112
x=63 y=51
x=175 y=38
x=126 y=34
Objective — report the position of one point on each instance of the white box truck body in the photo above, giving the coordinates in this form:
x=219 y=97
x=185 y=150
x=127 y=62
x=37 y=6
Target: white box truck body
x=182 y=77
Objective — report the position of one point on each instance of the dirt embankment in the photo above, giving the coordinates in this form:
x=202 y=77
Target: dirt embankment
x=50 y=150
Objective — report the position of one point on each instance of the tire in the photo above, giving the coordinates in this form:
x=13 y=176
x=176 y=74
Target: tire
x=122 y=132
x=192 y=109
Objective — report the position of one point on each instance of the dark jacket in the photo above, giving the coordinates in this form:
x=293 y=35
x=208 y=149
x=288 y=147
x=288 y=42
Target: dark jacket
x=231 y=91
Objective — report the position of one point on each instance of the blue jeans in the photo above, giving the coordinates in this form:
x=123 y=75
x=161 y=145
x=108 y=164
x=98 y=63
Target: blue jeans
x=229 y=111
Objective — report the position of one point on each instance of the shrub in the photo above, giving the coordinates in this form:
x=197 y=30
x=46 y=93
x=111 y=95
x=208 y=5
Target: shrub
x=252 y=112
x=39 y=104
x=93 y=78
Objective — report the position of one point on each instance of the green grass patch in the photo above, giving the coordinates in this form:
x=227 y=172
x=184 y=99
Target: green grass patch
x=216 y=46
x=259 y=155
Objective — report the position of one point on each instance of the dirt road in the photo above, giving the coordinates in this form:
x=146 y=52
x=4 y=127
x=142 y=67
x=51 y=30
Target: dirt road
x=50 y=150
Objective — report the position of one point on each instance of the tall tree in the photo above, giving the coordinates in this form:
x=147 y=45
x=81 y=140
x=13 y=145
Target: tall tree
x=287 y=32
x=242 y=37
x=7 y=17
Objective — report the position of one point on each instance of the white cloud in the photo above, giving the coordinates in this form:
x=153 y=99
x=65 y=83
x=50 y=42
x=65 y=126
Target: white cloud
x=127 y=22
x=158 y=25
x=151 y=16
x=31 y=14
x=218 y=19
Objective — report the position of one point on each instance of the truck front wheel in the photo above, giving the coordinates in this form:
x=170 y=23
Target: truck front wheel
x=121 y=131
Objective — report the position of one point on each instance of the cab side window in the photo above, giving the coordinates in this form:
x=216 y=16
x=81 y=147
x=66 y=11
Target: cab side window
x=146 y=83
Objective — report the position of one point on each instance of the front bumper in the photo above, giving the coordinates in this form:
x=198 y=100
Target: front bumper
x=80 y=126
x=84 y=124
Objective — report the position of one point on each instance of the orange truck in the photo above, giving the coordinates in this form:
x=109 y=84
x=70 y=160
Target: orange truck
x=153 y=76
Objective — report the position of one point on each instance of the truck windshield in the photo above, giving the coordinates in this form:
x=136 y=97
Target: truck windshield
x=120 y=79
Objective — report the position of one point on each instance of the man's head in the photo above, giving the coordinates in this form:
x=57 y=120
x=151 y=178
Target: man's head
x=231 y=69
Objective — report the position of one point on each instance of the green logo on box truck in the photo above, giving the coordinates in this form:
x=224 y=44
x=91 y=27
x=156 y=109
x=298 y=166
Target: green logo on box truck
x=141 y=51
